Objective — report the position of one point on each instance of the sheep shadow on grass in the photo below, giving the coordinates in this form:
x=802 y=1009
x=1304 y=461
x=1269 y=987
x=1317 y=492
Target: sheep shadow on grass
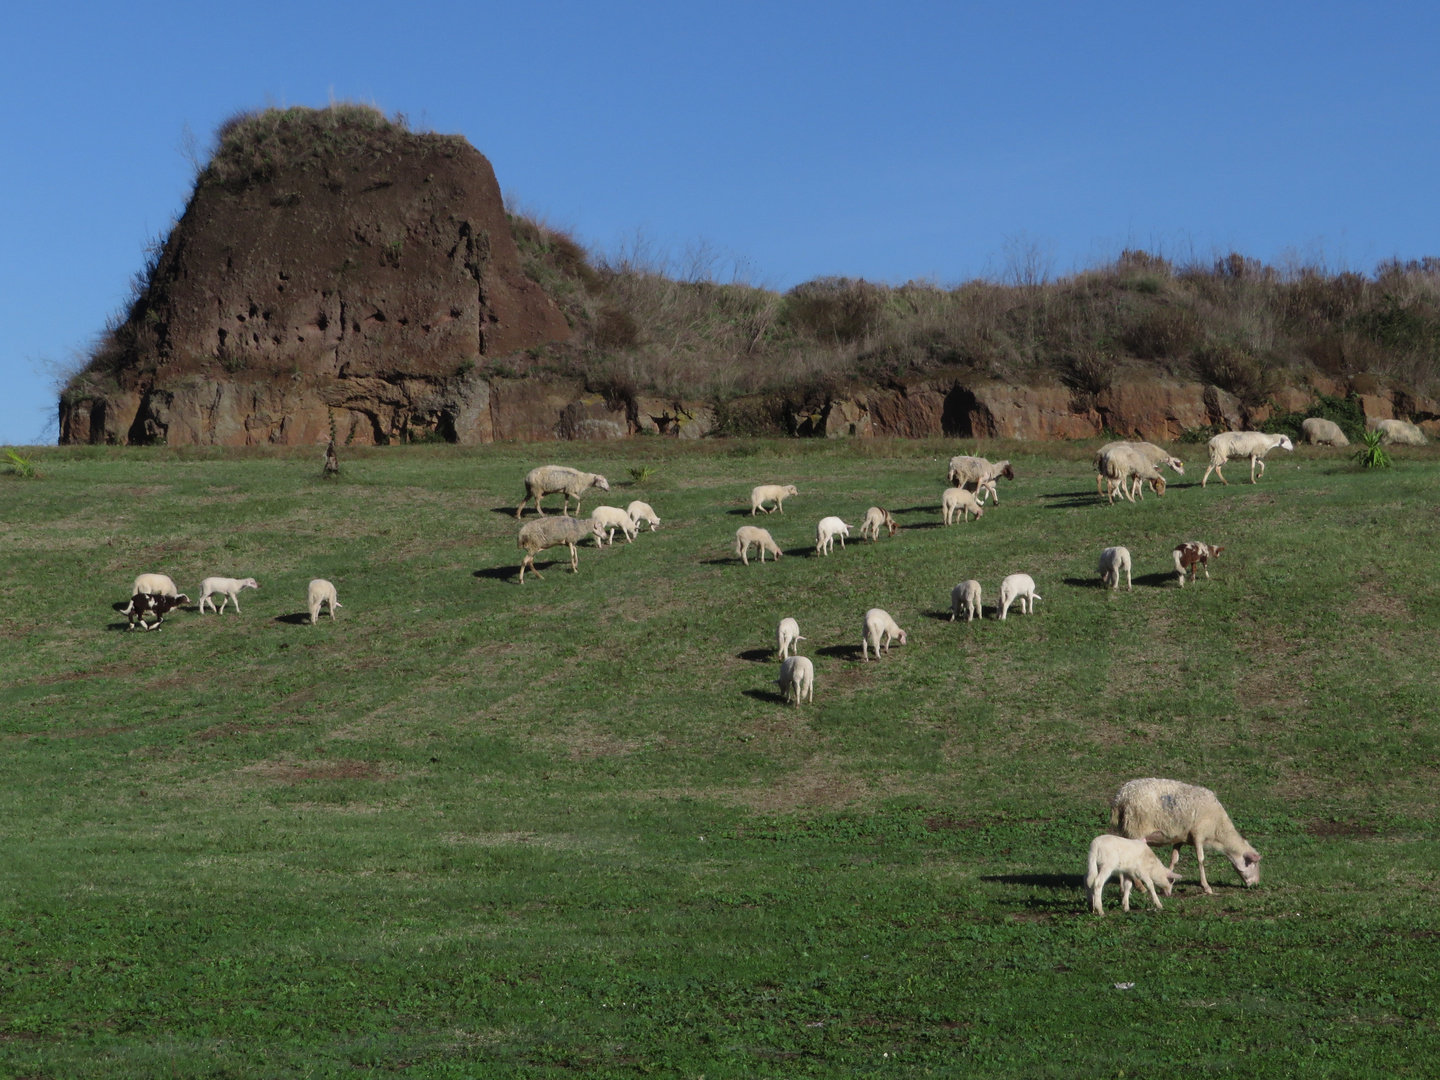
x=840 y=652
x=1039 y=881
x=300 y=618
x=770 y=697
x=925 y=524
x=1085 y=583
x=1154 y=581
x=501 y=573
x=758 y=655
x=938 y=616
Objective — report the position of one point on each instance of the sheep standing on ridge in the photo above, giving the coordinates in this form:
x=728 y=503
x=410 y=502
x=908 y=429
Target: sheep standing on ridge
x=776 y=493
x=750 y=534
x=956 y=501
x=1018 y=587
x=1126 y=470
x=609 y=518
x=319 y=593
x=1192 y=554
x=1114 y=561
x=797 y=673
x=878 y=624
x=542 y=533
x=640 y=511
x=875 y=520
x=1169 y=812
x=1155 y=455
x=1322 y=432
x=826 y=532
x=558 y=479
x=227 y=587
x=786 y=636
x=1133 y=861
x=1252 y=444
x=965 y=597
x=974 y=472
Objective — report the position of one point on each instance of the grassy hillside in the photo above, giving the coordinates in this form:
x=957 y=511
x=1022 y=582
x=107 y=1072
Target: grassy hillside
x=471 y=828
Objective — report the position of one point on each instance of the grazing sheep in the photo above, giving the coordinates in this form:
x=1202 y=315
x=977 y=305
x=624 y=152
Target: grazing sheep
x=965 y=597
x=826 y=532
x=321 y=592
x=227 y=587
x=640 y=511
x=1114 y=561
x=154 y=585
x=1133 y=861
x=559 y=480
x=1169 y=812
x=973 y=472
x=878 y=624
x=1320 y=432
x=786 y=636
x=955 y=501
x=157 y=604
x=1252 y=444
x=1018 y=587
x=750 y=534
x=542 y=533
x=776 y=493
x=1126 y=469
x=797 y=673
x=875 y=520
x=1397 y=432
x=1193 y=553
x=609 y=518
x=1155 y=455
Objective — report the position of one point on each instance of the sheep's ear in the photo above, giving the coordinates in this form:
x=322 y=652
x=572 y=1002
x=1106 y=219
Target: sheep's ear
x=1251 y=858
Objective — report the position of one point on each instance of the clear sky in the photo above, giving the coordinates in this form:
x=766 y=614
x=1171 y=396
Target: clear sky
x=885 y=141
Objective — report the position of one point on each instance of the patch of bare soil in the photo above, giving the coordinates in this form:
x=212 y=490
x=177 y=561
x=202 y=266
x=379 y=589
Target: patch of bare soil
x=340 y=769
x=1331 y=829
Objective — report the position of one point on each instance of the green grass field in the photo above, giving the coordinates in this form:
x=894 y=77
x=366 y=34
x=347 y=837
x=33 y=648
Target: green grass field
x=472 y=828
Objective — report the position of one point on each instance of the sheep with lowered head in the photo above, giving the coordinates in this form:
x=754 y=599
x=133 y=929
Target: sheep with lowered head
x=826 y=532
x=875 y=520
x=878 y=626
x=956 y=501
x=559 y=480
x=965 y=597
x=786 y=636
x=1127 y=470
x=1018 y=587
x=319 y=593
x=542 y=533
x=1322 y=432
x=1169 y=812
x=797 y=673
x=776 y=493
x=1155 y=455
x=1133 y=861
x=1397 y=432
x=761 y=538
x=976 y=472
x=1252 y=444
x=151 y=585
x=609 y=518
x=1113 y=562
x=641 y=511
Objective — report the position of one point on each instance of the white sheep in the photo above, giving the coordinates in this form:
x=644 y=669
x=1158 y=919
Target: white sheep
x=1397 y=432
x=1127 y=469
x=150 y=585
x=561 y=480
x=875 y=520
x=776 y=493
x=609 y=518
x=1133 y=861
x=1252 y=444
x=1018 y=587
x=786 y=636
x=826 y=532
x=965 y=597
x=1169 y=812
x=973 y=472
x=750 y=534
x=797 y=673
x=1113 y=562
x=956 y=501
x=319 y=593
x=227 y=587
x=641 y=511
x=1155 y=455
x=1322 y=432
x=542 y=533
x=878 y=625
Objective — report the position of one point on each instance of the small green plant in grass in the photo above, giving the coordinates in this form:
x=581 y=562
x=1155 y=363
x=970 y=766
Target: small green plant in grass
x=1371 y=454
x=641 y=474
x=20 y=465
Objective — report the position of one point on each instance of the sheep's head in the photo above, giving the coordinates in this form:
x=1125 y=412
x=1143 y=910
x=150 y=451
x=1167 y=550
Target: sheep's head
x=979 y=511
x=1214 y=552
x=601 y=482
x=790 y=489
x=1167 y=879
x=1159 y=485
x=1177 y=466
x=1008 y=473
x=902 y=637
x=1248 y=866
x=1285 y=443
x=249 y=583
x=890 y=523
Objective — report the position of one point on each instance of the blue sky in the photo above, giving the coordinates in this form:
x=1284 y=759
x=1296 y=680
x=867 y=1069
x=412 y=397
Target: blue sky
x=882 y=141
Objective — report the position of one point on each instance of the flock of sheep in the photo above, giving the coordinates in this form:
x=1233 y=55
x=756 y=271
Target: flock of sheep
x=156 y=595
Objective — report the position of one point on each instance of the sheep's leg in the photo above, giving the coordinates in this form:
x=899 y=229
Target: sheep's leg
x=1126 y=884
x=1128 y=586
x=574 y=559
x=1150 y=885
x=1200 y=858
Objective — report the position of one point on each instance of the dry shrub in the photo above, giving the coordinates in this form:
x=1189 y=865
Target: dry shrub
x=835 y=309
x=1232 y=368
x=1162 y=334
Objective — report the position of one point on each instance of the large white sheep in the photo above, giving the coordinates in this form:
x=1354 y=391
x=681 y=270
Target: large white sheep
x=1169 y=812
x=973 y=472
x=751 y=534
x=786 y=636
x=1322 y=432
x=151 y=585
x=1018 y=587
x=1397 y=432
x=965 y=597
x=955 y=501
x=1113 y=562
x=1252 y=444
x=1133 y=861
x=609 y=518
x=776 y=493
x=542 y=533
x=826 y=532
x=561 y=480
x=1126 y=469
x=797 y=673
x=1155 y=455
x=227 y=587
x=641 y=511
x=875 y=520
x=319 y=593
x=878 y=625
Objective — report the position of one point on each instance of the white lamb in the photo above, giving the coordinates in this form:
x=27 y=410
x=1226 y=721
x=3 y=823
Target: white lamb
x=1133 y=861
x=826 y=532
x=1252 y=444
x=797 y=673
x=559 y=480
x=1126 y=470
x=776 y=493
x=1155 y=455
x=750 y=534
x=1113 y=562
x=975 y=472
x=1322 y=432
x=321 y=592
x=786 y=636
x=965 y=597
x=1018 y=587
x=955 y=501
x=1169 y=812
x=609 y=518
x=227 y=587
x=878 y=625
x=1397 y=432
x=875 y=520
x=640 y=511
